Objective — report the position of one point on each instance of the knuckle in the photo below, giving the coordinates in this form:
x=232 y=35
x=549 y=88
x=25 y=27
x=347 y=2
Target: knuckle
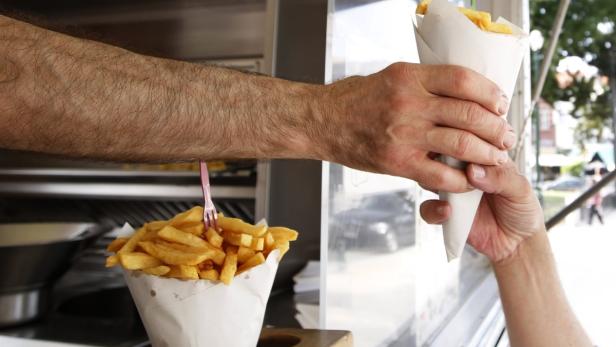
x=462 y=143
x=396 y=70
x=501 y=131
x=400 y=73
x=436 y=180
x=501 y=175
x=398 y=103
x=470 y=113
x=493 y=156
x=461 y=78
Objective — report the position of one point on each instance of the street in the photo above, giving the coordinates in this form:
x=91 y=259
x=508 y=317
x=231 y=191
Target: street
x=585 y=259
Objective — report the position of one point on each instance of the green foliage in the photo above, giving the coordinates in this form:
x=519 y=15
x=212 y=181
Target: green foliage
x=574 y=169
x=580 y=37
x=594 y=118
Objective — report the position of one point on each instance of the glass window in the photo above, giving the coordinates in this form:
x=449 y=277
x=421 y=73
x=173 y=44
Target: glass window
x=386 y=274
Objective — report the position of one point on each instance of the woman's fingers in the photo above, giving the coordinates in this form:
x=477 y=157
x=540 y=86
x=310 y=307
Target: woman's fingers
x=503 y=180
x=435 y=211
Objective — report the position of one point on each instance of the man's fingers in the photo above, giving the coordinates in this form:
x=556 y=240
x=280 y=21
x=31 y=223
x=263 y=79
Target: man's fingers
x=436 y=176
x=462 y=83
x=424 y=187
x=472 y=117
x=502 y=180
x=463 y=146
x=435 y=211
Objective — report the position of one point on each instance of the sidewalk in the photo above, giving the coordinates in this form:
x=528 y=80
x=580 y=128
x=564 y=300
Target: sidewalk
x=586 y=259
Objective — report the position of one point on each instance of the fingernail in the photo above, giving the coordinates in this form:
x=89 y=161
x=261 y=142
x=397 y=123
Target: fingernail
x=478 y=172
x=503 y=105
x=509 y=140
x=440 y=210
x=502 y=157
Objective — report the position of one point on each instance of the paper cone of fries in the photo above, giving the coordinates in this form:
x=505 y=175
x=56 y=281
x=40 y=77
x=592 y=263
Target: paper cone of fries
x=191 y=313
x=446 y=36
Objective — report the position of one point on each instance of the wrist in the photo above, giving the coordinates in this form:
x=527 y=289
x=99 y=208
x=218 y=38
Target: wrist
x=531 y=250
x=313 y=137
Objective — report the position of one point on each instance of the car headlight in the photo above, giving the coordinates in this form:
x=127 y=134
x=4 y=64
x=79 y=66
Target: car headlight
x=380 y=227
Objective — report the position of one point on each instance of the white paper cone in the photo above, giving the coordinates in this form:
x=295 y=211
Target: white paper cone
x=191 y=313
x=446 y=36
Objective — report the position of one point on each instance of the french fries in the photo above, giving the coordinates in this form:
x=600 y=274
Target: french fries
x=269 y=241
x=172 y=234
x=237 y=239
x=172 y=256
x=253 y=261
x=237 y=225
x=138 y=261
x=281 y=233
x=184 y=249
x=193 y=215
x=230 y=266
x=214 y=238
x=211 y=274
x=112 y=261
x=158 y=270
x=130 y=245
x=116 y=244
x=483 y=20
x=257 y=244
x=196 y=229
x=185 y=272
x=156 y=225
x=244 y=253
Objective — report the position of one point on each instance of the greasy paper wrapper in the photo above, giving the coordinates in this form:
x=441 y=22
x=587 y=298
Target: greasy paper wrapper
x=446 y=36
x=192 y=313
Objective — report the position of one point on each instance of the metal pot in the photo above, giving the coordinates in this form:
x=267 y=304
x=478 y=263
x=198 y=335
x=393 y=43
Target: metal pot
x=32 y=257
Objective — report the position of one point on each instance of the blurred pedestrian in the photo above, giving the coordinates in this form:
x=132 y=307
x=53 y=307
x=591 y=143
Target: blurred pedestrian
x=596 y=201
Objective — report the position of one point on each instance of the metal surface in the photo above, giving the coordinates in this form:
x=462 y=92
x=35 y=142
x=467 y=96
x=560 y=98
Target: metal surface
x=473 y=319
x=31 y=266
x=24 y=234
x=577 y=203
x=294 y=198
x=36 y=264
x=613 y=98
x=263 y=183
x=21 y=307
x=86 y=172
x=110 y=190
x=187 y=30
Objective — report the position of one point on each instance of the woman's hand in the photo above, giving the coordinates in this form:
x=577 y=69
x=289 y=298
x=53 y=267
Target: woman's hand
x=509 y=211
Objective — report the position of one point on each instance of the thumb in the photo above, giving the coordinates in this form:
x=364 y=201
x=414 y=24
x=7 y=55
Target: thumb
x=503 y=180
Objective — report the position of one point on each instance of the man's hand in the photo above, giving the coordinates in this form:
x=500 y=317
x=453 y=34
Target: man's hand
x=148 y=109
x=508 y=213
x=395 y=121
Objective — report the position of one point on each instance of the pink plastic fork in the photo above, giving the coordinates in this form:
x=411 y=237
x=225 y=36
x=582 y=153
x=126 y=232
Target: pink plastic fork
x=210 y=216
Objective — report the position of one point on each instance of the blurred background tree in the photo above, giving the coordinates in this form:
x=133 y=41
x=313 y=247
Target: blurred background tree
x=584 y=64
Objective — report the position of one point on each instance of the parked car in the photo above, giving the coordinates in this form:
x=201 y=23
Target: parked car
x=381 y=222
x=565 y=183
x=559 y=193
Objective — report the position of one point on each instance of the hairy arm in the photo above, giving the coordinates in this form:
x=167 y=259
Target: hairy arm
x=80 y=98
x=536 y=309
x=63 y=95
